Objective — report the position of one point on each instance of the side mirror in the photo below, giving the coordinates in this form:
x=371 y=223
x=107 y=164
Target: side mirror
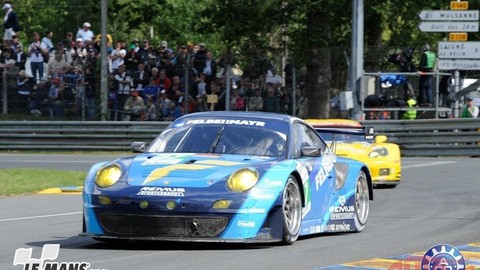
x=380 y=139
x=138 y=147
x=310 y=151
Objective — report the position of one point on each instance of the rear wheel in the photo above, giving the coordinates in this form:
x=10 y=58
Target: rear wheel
x=291 y=210
x=362 y=202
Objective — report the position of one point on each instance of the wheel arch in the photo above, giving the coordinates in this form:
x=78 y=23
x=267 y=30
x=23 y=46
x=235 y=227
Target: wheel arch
x=369 y=180
x=298 y=179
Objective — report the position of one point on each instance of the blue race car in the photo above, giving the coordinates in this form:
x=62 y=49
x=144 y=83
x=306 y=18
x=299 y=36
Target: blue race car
x=227 y=177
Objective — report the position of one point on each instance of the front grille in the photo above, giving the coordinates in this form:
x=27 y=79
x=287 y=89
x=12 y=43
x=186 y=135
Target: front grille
x=162 y=226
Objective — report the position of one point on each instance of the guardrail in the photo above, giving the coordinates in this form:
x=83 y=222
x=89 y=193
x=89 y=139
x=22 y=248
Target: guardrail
x=76 y=135
x=429 y=137
x=432 y=137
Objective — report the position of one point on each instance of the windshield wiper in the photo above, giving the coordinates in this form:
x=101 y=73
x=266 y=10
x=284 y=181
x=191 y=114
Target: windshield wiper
x=217 y=139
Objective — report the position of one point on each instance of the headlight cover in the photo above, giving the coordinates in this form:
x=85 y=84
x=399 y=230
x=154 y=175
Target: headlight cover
x=108 y=175
x=378 y=152
x=242 y=180
x=341 y=172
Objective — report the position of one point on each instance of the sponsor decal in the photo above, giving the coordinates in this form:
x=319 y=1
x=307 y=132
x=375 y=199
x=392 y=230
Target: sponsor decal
x=443 y=256
x=259 y=194
x=165 y=159
x=327 y=165
x=161 y=191
x=303 y=171
x=338 y=227
x=342 y=208
x=252 y=211
x=23 y=256
x=226 y=121
x=271 y=183
x=246 y=223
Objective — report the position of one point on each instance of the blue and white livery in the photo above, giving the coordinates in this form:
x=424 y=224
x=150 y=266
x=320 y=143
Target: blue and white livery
x=227 y=177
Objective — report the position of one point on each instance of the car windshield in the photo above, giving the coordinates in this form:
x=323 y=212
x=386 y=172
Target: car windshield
x=222 y=139
x=353 y=135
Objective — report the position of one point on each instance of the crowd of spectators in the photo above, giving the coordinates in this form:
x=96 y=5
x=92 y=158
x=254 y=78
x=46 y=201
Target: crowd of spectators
x=146 y=82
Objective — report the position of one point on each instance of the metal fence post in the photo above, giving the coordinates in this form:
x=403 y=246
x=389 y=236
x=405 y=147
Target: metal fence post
x=4 y=93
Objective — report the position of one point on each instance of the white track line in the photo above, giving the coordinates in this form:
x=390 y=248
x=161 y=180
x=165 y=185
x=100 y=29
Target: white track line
x=428 y=164
x=43 y=216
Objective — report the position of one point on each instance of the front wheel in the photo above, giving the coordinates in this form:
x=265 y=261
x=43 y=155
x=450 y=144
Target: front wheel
x=362 y=202
x=292 y=211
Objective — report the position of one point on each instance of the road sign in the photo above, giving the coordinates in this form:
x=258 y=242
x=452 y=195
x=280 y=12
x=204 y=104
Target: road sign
x=449 y=15
x=448 y=26
x=450 y=64
x=458 y=36
x=459 y=5
x=459 y=50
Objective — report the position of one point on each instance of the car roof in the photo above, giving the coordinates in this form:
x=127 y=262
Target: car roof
x=334 y=123
x=263 y=115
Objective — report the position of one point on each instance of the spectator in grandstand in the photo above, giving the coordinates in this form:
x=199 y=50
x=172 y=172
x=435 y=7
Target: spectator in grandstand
x=24 y=88
x=123 y=86
x=19 y=56
x=140 y=78
x=470 y=110
x=85 y=33
x=271 y=102
x=302 y=104
x=163 y=102
x=10 y=24
x=210 y=68
x=117 y=57
x=38 y=101
x=7 y=60
x=143 y=51
x=134 y=107
x=164 y=83
x=37 y=51
x=255 y=102
x=172 y=112
x=56 y=98
x=150 y=111
x=273 y=78
x=47 y=40
x=200 y=58
x=58 y=67
x=427 y=63
x=237 y=103
x=15 y=41
x=68 y=42
x=132 y=59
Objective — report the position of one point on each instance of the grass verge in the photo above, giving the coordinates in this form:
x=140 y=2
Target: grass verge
x=32 y=180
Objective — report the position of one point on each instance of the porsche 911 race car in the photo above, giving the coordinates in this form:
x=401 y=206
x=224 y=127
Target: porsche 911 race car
x=227 y=177
x=358 y=142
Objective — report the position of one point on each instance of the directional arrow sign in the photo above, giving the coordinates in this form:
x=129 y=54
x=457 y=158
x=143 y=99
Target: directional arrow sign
x=449 y=15
x=448 y=26
x=459 y=50
x=450 y=64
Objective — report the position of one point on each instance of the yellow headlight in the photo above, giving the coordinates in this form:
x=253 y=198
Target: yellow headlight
x=242 y=180
x=108 y=175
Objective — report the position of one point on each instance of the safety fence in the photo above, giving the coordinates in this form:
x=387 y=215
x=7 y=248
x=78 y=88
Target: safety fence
x=432 y=137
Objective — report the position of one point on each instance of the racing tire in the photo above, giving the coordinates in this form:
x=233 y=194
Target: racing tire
x=362 y=202
x=291 y=211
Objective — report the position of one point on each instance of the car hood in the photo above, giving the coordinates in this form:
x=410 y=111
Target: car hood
x=189 y=170
x=352 y=149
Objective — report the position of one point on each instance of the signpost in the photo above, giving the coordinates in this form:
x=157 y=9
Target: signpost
x=459 y=50
x=451 y=15
x=448 y=26
x=463 y=64
x=456 y=54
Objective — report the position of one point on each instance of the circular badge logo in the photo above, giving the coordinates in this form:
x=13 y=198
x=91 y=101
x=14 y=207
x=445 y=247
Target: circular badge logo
x=443 y=256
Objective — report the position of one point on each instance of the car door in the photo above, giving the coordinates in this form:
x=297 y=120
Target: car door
x=319 y=186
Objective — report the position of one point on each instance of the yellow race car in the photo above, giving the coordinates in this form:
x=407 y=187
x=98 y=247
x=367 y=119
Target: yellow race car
x=350 y=139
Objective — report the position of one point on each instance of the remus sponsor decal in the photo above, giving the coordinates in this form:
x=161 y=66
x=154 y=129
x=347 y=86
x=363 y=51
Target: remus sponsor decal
x=162 y=191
